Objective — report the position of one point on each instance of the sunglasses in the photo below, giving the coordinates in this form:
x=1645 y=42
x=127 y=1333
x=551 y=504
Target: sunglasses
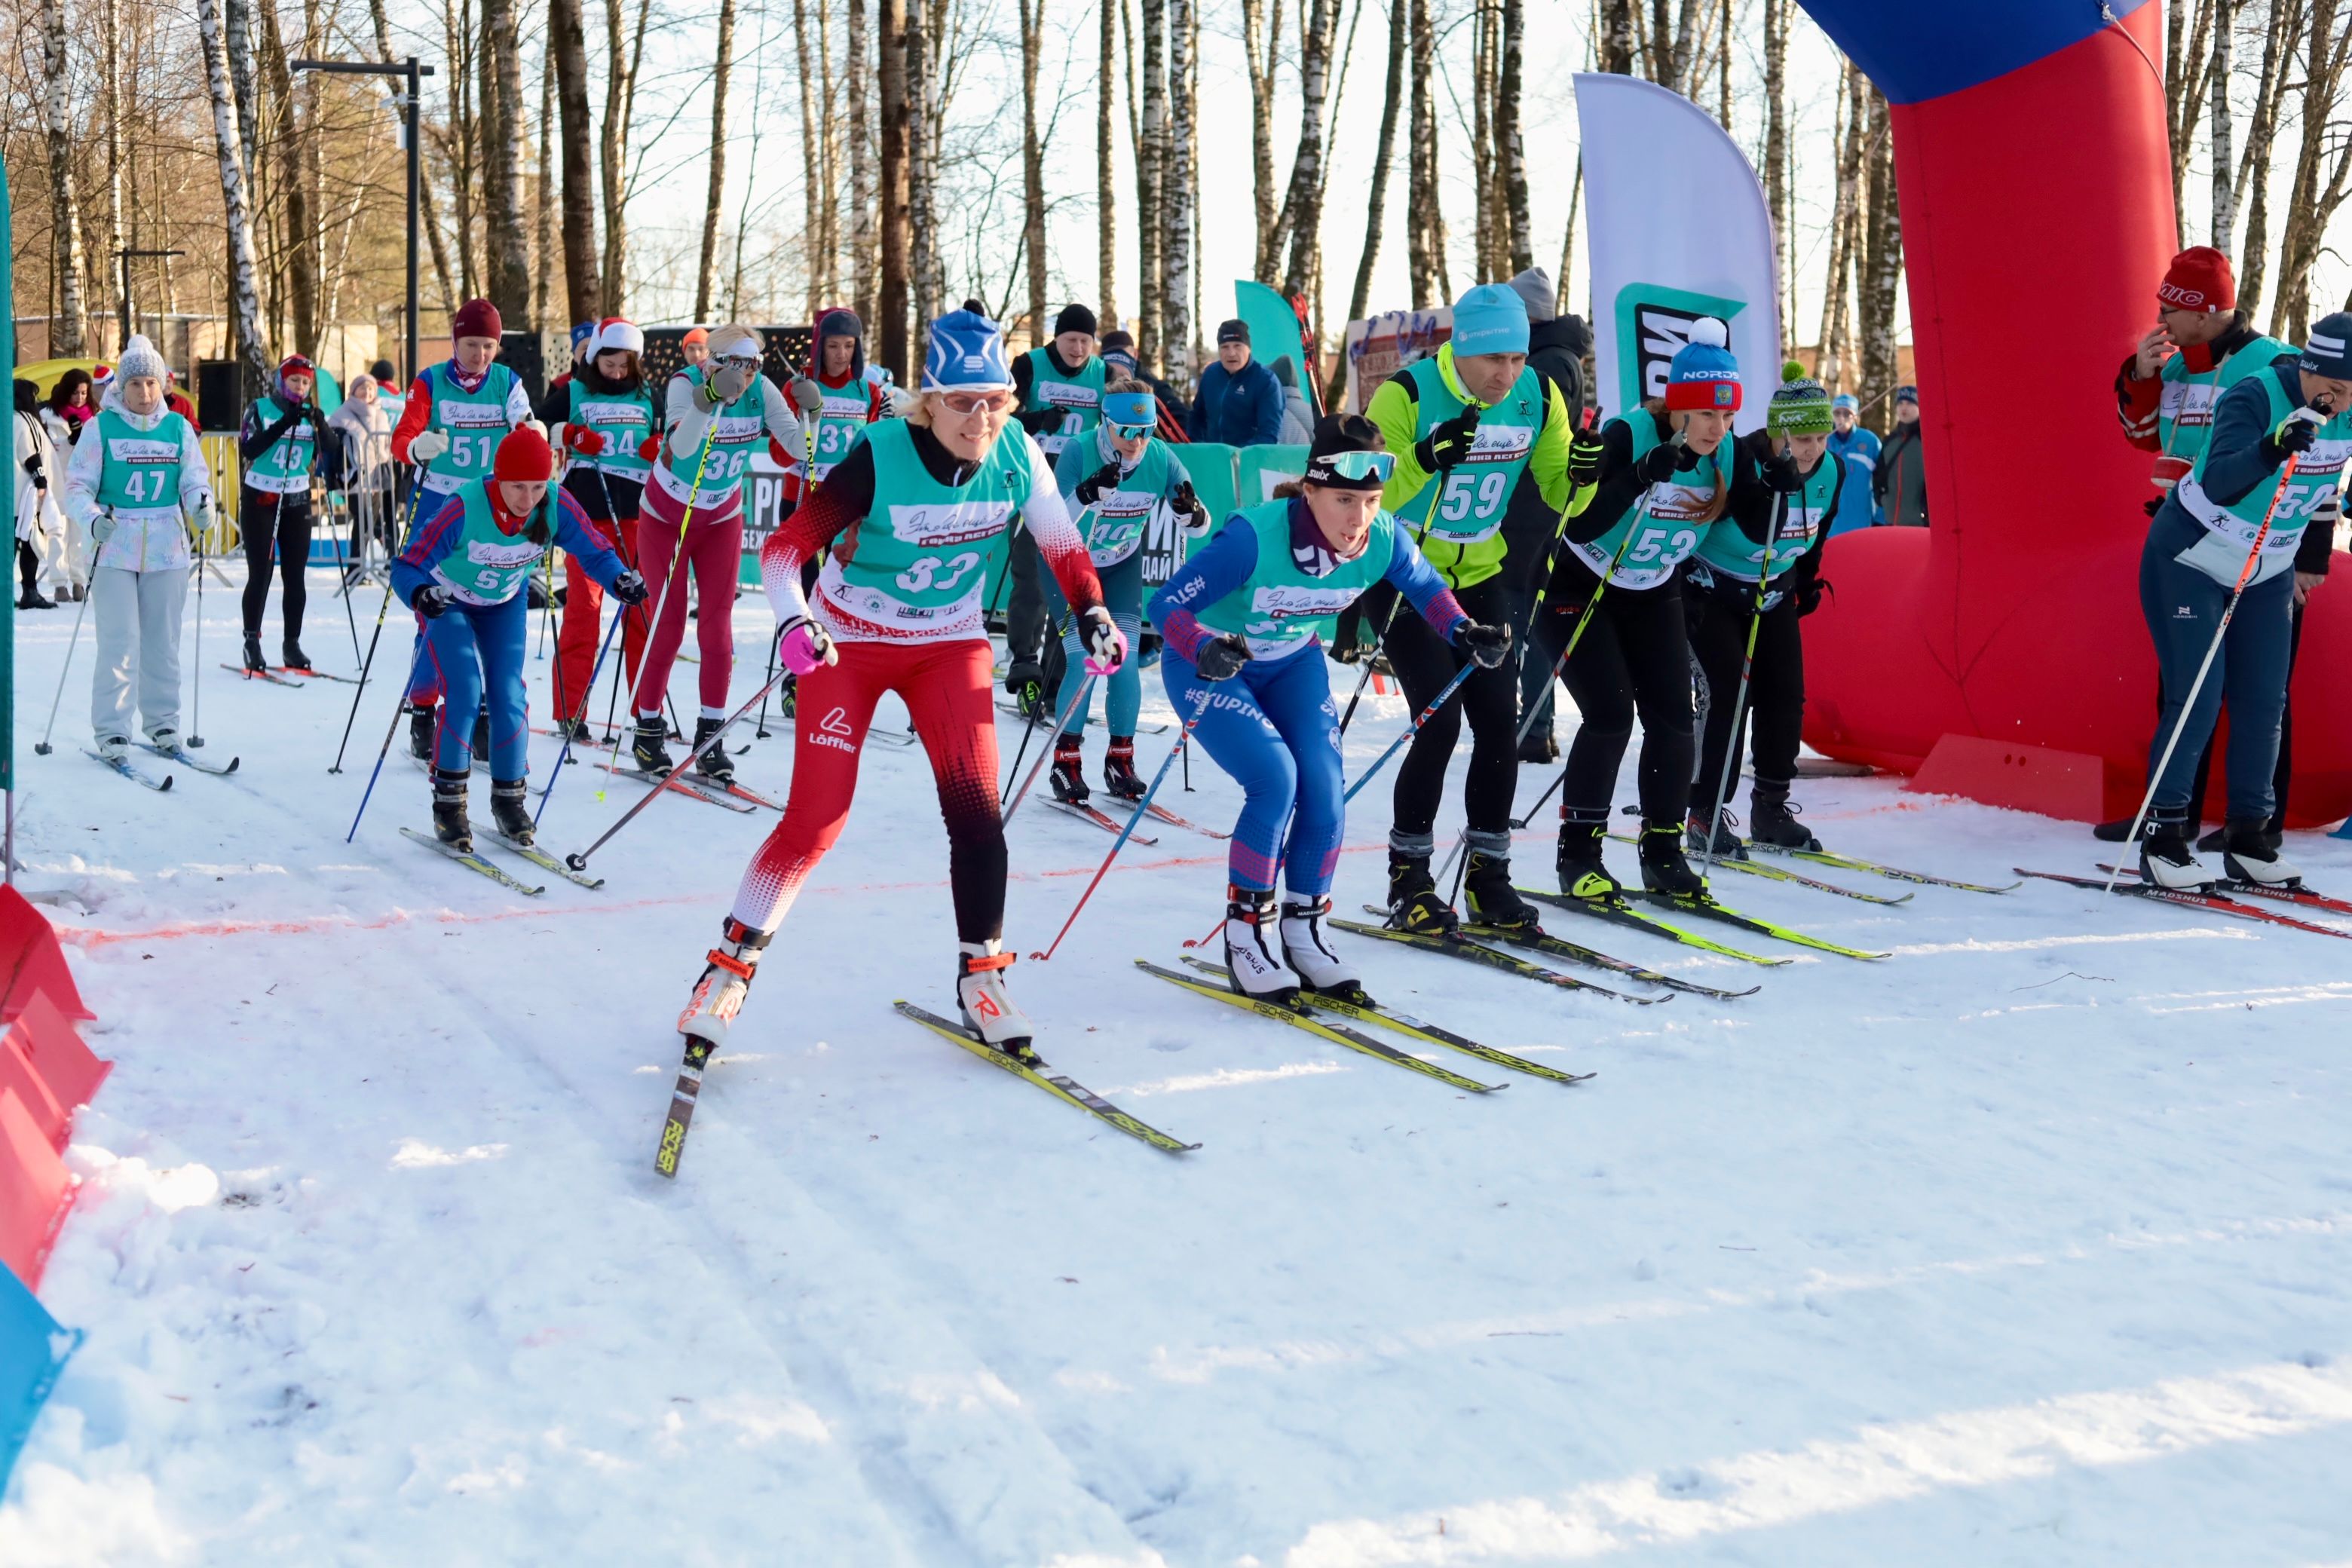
x=1131 y=432
x=1360 y=464
x=969 y=402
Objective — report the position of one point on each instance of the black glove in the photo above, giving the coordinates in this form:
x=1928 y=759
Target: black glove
x=1808 y=595
x=1447 y=445
x=2153 y=505
x=1584 y=453
x=1184 y=500
x=33 y=464
x=1780 y=475
x=430 y=601
x=1221 y=657
x=1663 y=461
x=1091 y=488
x=2294 y=435
x=1486 y=646
x=1040 y=421
x=629 y=587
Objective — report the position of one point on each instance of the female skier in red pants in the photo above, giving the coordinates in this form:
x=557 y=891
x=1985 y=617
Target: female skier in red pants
x=911 y=521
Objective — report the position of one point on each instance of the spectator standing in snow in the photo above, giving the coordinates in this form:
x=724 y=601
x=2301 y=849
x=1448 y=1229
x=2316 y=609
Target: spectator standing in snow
x=1856 y=445
x=1901 y=482
x=38 y=521
x=1239 y=402
x=1556 y=345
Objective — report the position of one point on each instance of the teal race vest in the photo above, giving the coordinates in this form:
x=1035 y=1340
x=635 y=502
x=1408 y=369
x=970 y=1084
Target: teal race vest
x=1667 y=524
x=475 y=422
x=140 y=481
x=1729 y=552
x=1113 y=527
x=1281 y=608
x=840 y=420
x=486 y=565
x=2184 y=412
x=623 y=419
x=1079 y=397
x=2230 y=531
x=1464 y=507
x=285 y=469
x=736 y=432
x=924 y=551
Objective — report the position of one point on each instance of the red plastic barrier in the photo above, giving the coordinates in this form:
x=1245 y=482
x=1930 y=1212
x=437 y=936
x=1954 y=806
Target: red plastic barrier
x=30 y=959
x=33 y=1191
x=42 y=1057
x=2015 y=616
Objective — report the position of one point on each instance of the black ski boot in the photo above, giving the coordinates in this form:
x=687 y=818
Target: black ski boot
x=1413 y=902
x=714 y=765
x=1727 y=844
x=511 y=809
x=2165 y=861
x=1775 y=820
x=1068 y=776
x=726 y=980
x=1582 y=873
x=2118 y=830
x=1026 y=681
x=1120 y=776
x=648 y=744
x=449 y=824
x=572 y=729
x=292 y=655
x=1487 y=887
x=1664 y=869
x=254 y=662
x=2249 y=855
x=1540 y=747
x=482 y=738
x=420 y=731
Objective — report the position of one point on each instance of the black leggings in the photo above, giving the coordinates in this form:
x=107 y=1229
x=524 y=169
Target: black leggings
x=275 y=526
x=1635 y=659
x=1776 y=684
x=1423 y=663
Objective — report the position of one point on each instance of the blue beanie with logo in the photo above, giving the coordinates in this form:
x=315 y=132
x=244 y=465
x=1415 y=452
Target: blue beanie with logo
x=1704 y=375
x=965 y=354
x=1490 y=320
x=2327 y=349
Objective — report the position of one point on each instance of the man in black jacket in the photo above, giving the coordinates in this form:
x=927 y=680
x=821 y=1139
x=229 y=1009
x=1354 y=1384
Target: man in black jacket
x=1556 y=345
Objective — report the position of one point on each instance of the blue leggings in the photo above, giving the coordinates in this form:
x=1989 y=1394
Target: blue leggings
x=466 y=644
x=2183 y=606
x=1274 y=728
x=1122 y=587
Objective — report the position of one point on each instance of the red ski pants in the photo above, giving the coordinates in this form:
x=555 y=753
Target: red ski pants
x=582 y=632
x=714 y=553
x=948 y=692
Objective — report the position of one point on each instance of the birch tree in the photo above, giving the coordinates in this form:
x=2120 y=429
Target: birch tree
x=1261 y=53
x=301 y=277
x=1105 y=168
x=861 y=165
x=230 y=147
x=542 y=216
x=921 y=131
x=1360 y=298
x=2219 y=128
x=1181 y=195
x=506 y=240
x=896 y=242
x=1510 y=142
x=1033 y=165
x=1882 y=262
x=1149 y=173
x=705 y=273
x=73 y=329
x=1302 y=213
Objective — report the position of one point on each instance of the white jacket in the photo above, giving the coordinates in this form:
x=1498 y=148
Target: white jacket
x=37 y=515
x=148 y=539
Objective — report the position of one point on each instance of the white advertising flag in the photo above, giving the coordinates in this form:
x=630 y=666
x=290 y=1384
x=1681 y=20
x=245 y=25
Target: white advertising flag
x=1679 y=230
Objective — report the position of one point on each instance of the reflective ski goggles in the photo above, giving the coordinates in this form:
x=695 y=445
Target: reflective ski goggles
x=971 y=403
x=1126 y=432
x=1354 y=468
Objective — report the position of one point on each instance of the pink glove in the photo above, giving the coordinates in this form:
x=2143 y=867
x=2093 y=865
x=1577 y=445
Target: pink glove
x=1106 y=647
x=804 y=646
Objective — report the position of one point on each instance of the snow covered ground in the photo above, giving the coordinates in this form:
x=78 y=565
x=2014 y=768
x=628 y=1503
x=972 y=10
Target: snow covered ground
x=2032 y=1244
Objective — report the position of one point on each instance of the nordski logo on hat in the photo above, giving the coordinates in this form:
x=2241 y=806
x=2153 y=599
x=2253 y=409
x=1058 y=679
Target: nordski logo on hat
x=1652 y=325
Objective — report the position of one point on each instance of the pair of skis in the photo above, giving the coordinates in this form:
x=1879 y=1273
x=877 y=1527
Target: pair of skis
x=1619 y=910
x=2225 y=900
x=1471 y=944
x=474 y=860
x=176 y=753
x=1114 y=826
x=284 y=675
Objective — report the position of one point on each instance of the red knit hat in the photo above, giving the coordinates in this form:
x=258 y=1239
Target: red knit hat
x=475 y=319
x=524 y=457
x=2199 y=280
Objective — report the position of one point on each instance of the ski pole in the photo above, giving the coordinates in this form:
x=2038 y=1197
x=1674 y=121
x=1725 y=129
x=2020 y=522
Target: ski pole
x=564 y=755
x=1739 y=701
x=385 y=750
x=343 y=570
x=677 y=570
x=415 y=490
x=42 y=747
x=197 y=682
x=1209 y=692
x=1086 y=684
x=579 y=861
x=2254 y=557
x=1453 y=685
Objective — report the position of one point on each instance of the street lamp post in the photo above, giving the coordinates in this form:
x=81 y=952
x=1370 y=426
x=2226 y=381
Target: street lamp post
x=411 y=72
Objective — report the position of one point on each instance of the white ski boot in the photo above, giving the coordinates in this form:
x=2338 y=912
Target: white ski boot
x=1258 y=971
x=2167 y=860
x=164 y=740
x=726 y=981
x=2247 y=856
x=1308 y=949
x=988 y=1008
x=112 y=748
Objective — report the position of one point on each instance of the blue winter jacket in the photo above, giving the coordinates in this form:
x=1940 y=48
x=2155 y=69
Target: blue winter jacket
x=1242 y=409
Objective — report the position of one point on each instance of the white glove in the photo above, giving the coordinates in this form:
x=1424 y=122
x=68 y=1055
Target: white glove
x=425 y=447
x=102 y=526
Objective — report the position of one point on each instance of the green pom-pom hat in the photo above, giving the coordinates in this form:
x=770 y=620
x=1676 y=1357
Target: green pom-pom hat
x=1800 y=406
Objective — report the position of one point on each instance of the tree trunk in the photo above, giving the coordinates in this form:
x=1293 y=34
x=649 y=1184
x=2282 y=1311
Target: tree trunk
x=1105 y=167
x=1776 y=153
x=620 y=96
x=1833 y=368
x=2261 y=132
x=1360 y=298
x=1424 y=224
x=227 y=141
x=1304 y=204
x=891 y=77
x=706 y=275
x=1260 y=49
x=1616 y=46
x=828 y=247
x=506 y=240
x=460 y=143
x=72 y=325
x=2312 y=200
x=542 y=208
x=921 y=134
x=1180 y=196
x=568 y=46
x=238 y=22
x=1032 y=165
x=1568 y=240
x=2217 y=112
x=2182 y=68
x=111 y=42
x=301 y=273
x=424 y=218
x=861 y=165
x=1510 y=142
x=1882 y=264
x=1150 y=168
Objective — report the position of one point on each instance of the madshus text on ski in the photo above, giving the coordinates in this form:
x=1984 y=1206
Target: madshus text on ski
x=1474 y=534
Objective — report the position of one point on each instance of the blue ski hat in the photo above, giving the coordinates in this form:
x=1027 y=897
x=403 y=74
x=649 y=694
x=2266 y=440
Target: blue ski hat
x=1130 y=409
x=1704 y=375
x=1847 y=401
x=2328 y=351
x=965 y=354
x=1490 y=320
x=580 y=333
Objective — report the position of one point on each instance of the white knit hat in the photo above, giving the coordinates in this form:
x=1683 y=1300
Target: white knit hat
x=140 y=358
x=617 y=333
